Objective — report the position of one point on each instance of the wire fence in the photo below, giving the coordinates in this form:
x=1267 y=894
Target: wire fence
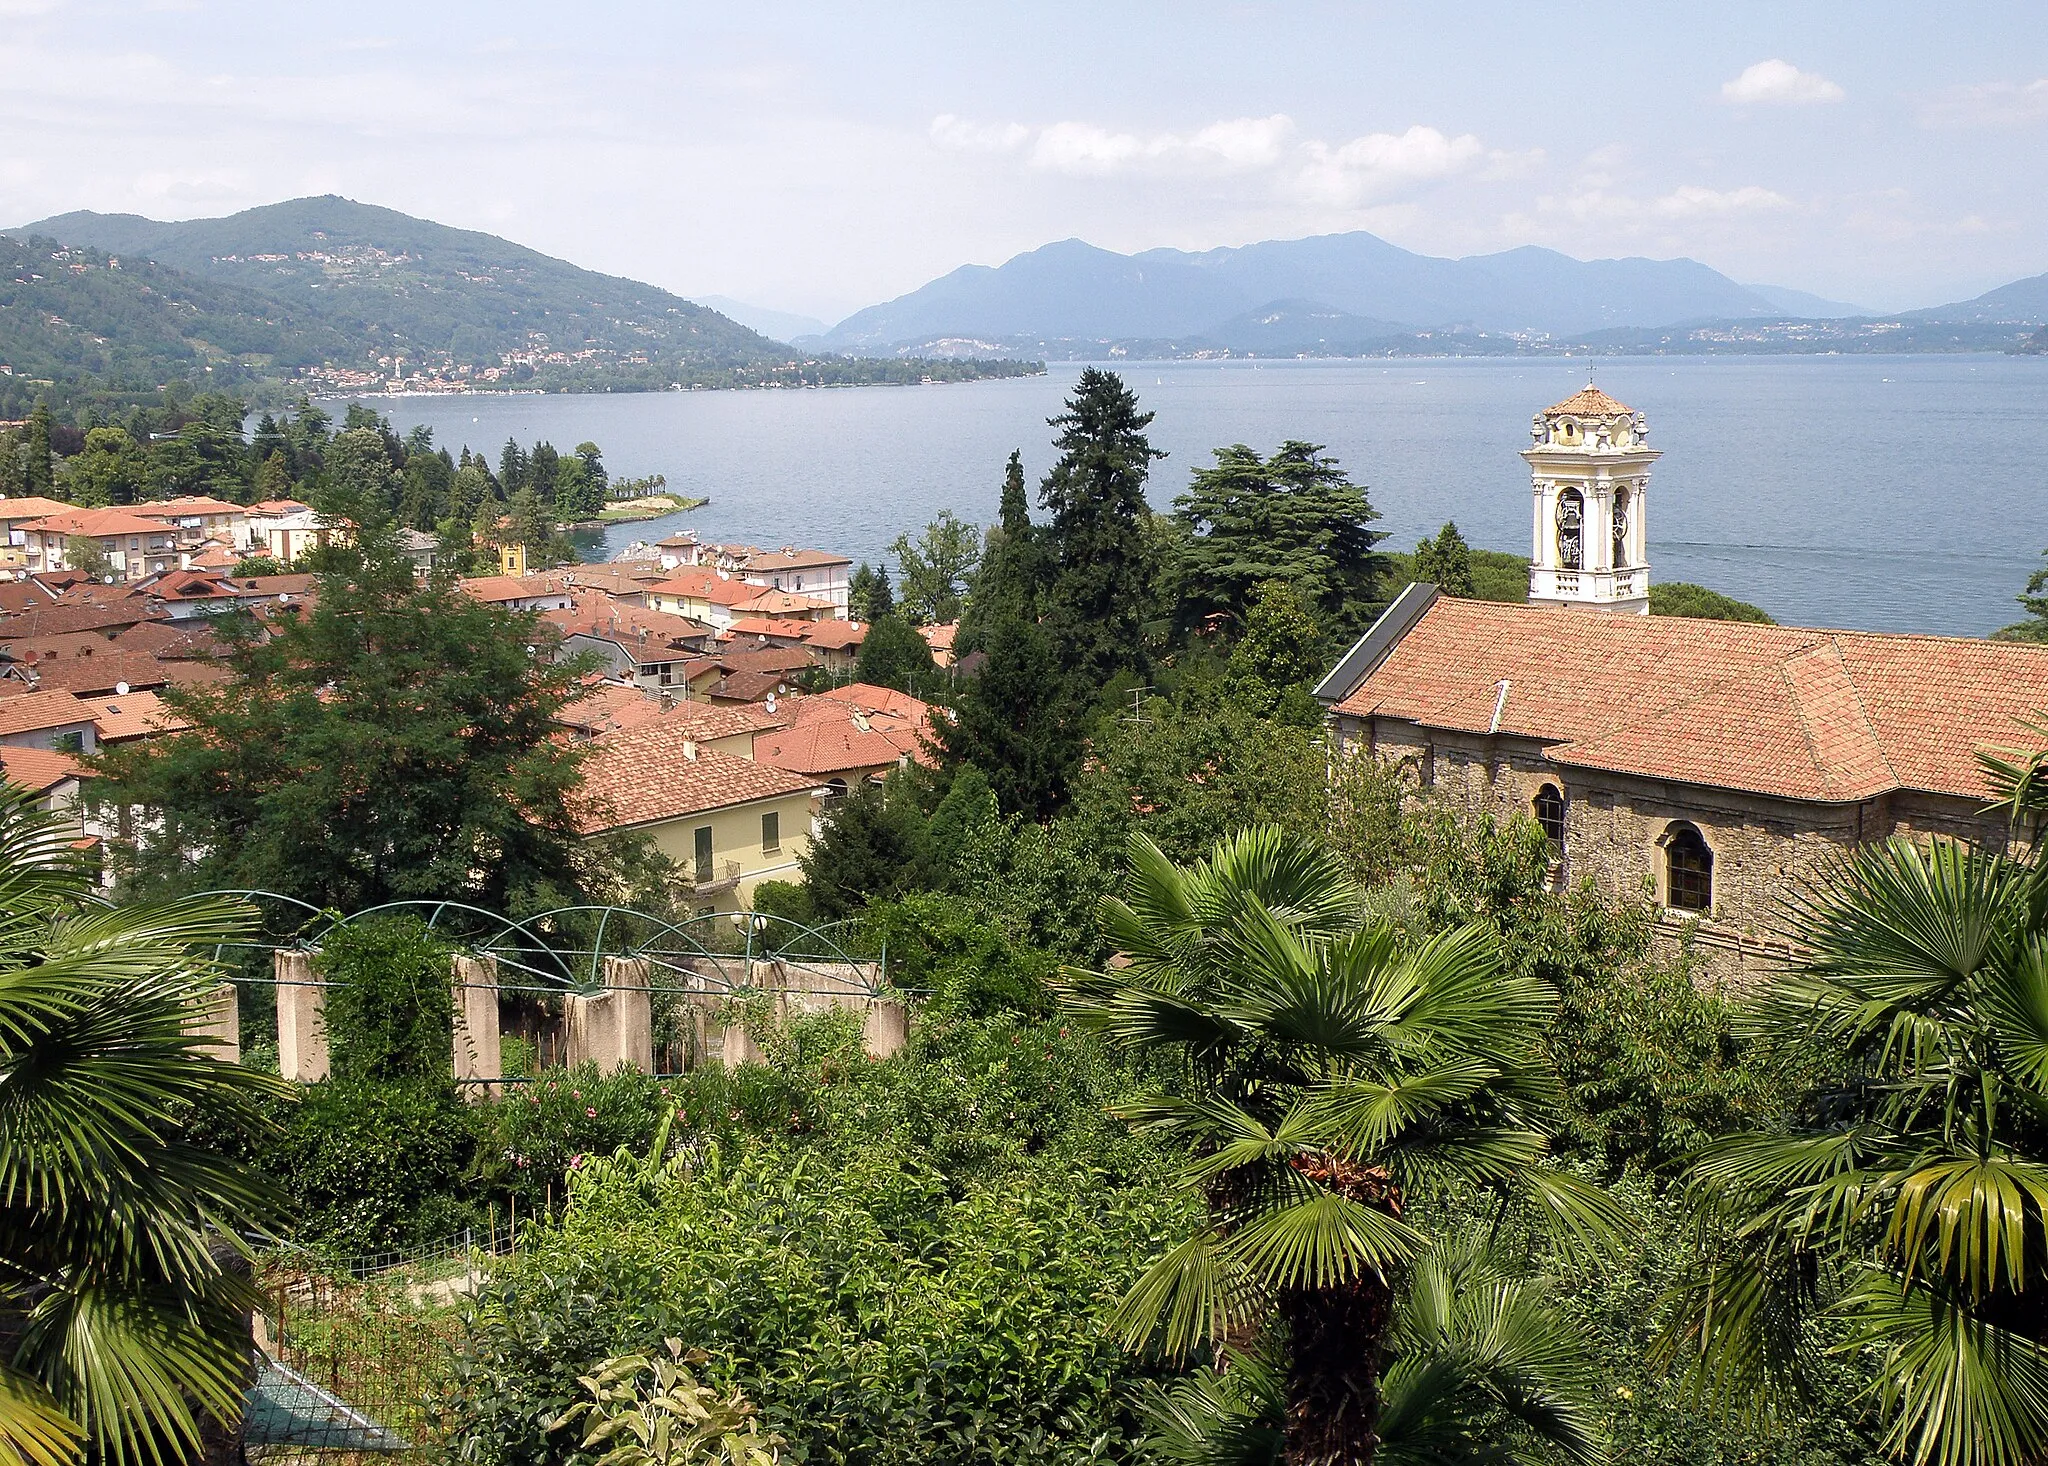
x=356 y=1354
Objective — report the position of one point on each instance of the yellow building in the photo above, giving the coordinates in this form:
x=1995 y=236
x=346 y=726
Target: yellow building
x=727 y=822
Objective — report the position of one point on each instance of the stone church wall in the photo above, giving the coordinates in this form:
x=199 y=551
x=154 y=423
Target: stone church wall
x=1764 y=849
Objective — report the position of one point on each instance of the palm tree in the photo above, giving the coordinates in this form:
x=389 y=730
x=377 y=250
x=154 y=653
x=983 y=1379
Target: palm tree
x=1334 y=1078
x=1474 y=1347
x=123 y=1313
x=1903 y=1215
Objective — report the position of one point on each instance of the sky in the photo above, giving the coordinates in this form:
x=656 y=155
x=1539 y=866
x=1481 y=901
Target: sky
x=821 y=157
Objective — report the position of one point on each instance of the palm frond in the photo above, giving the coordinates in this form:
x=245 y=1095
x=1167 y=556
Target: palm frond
x=1959 y=1391
x=1193 y=1296
x=1324 y=1240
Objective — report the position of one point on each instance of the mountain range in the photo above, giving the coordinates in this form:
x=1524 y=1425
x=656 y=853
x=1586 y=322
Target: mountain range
x=330 y=294
x=1353 y=294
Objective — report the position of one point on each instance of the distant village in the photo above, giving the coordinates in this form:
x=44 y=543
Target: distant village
x=719 y=708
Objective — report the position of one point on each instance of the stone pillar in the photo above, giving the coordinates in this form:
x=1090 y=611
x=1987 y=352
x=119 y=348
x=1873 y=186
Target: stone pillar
x=613 y=1029
x=886 y=1029
x=217 y=1019
x=477 y=1051
x=301 y=1018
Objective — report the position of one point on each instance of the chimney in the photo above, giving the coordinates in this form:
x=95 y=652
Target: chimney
x=690 y=749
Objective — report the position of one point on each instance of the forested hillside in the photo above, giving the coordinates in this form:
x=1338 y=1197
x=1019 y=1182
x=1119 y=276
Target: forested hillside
x=353 y=297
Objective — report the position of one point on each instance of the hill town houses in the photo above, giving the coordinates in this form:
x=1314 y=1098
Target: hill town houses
x=1711 y=765
x=701 y=734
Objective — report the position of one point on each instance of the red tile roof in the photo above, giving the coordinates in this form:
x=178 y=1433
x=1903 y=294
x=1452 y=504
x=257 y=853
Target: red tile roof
x=1825 y=716
x=835 y=636
x=34 y=712
x=498 y=588
x=136 y=715
x=640 y=776
x=106 y=673
x=39 y=770
x=698 y=583
x=97 y=523
x=599 y=615
x=31 y=506
x=780 y=603
x=1589 y=401
x=770 y=561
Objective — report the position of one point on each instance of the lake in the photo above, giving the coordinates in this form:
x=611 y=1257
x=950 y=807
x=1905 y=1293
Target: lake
x=1905 y=493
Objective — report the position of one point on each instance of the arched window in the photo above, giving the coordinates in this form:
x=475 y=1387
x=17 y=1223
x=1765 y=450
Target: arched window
x=1549 y=810
x=1621 y=502
x=1571 y=528
x=1688 y=869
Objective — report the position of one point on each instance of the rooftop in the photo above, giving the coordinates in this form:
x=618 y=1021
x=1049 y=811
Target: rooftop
x=663 y=771
x=33 y=712
x=1589 y=401
x=1817 y=715
x=38 y=770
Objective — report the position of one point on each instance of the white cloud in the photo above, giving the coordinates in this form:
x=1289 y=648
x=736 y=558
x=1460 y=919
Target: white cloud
x=1990 y=104
x=1779 y=82
x=956 y=134
x=1693 y=202
x=1347 y=173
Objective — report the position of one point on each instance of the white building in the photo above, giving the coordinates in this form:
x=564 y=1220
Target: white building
x=1590 y=467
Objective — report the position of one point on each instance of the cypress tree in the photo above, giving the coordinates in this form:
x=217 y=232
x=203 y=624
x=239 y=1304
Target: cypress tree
x=1011 y=569
x=1100 y=587
x=39 y=477
x=1446 y=562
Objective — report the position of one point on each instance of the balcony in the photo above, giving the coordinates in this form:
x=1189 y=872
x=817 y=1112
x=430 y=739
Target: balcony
x=714 y=876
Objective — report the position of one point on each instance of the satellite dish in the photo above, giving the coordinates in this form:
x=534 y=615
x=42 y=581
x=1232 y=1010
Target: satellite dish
x=21 y=575
x=284 y=597
x=120 y=689
x=771 y=702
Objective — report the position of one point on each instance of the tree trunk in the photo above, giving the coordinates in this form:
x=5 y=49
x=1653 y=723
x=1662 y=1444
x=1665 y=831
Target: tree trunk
x=1333 y=1378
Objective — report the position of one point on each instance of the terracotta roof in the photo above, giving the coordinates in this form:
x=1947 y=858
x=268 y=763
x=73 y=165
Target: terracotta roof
x=32 y=712
x=32 y=506
x=873 y=699
x=497 y=588
x=75 y=615
x=780 y=603
x=701 y=584
x=1589 y=401
x=767 y=659
x=186 y=505
x=749 y=686
x=1827 y=716
x=599 y=615
x=639 y=776
x=940 y=638
x=170 y=638
x=610 y=705
x=769 y=627
x=135 y=715
x=39 y=770
x=17 y=596
x=107 y=672
x=64 y=644
x=774 y=560
x=834 y=636
x=97 y=523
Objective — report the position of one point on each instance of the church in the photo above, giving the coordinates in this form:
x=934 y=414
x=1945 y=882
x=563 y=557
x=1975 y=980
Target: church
x=1710 y=765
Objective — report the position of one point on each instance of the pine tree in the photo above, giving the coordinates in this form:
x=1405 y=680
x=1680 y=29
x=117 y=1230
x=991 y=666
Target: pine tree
x=868 y=595
x=39 y=476
x=1015 y=721
x=1445 y=562
x=1101 y=578
x=1011 y=567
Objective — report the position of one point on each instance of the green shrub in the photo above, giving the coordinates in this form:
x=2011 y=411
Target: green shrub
x=378 y=1166
x=390 y=1011
x=961 y=962
x=871 y=1315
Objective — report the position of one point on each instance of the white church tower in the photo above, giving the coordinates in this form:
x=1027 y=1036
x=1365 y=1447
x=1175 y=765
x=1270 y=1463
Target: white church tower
x=1591 y=466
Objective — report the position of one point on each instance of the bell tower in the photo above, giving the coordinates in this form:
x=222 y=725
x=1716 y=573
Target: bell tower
x=1591 y=469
